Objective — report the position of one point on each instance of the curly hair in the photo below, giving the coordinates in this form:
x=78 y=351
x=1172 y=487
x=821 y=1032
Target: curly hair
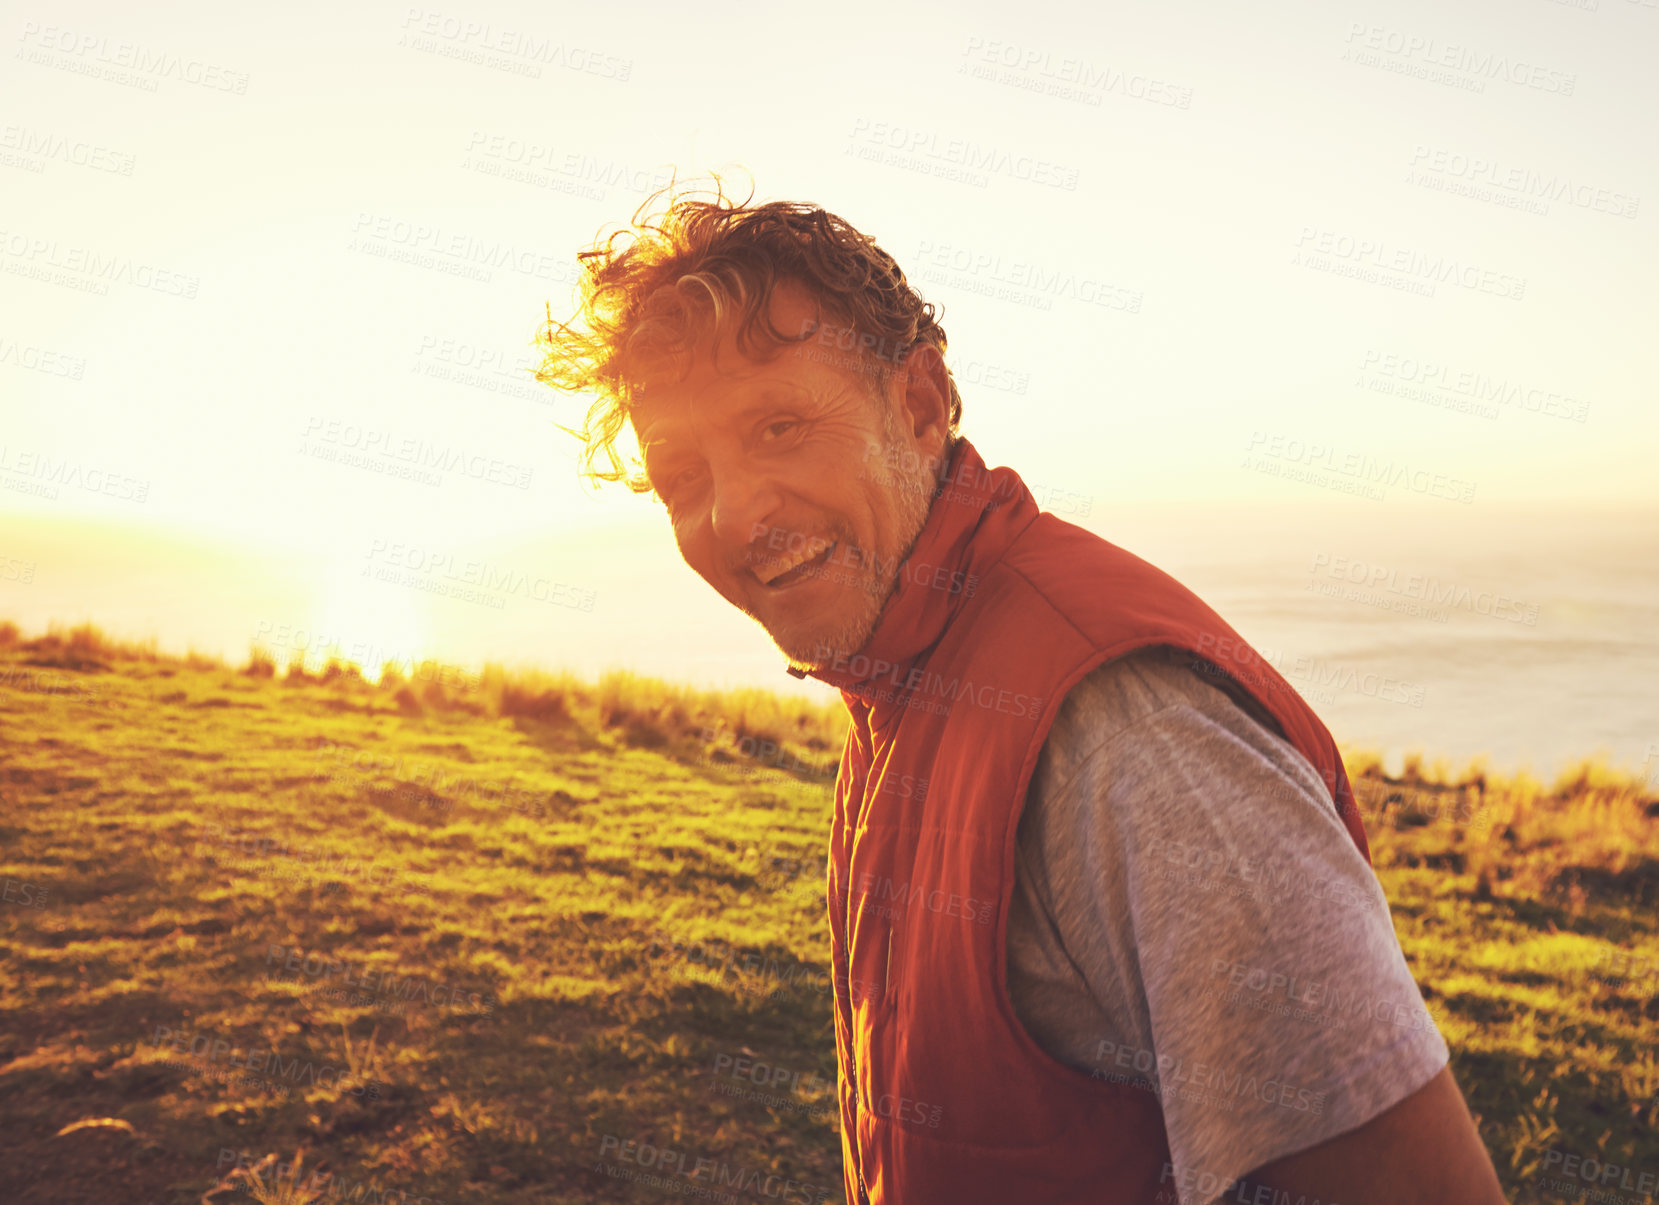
x=686 y=275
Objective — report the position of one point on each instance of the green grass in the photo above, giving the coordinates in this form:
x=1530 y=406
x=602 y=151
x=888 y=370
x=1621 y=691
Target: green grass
x=546 y=917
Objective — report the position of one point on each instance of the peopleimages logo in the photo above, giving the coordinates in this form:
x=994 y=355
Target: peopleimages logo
x=1426 y=53
x=1165 y=1075
x=441 y=572
x=851 y=564
x=32 y=472
x=34 y=147
x=454 y=252
x=553 y=166
x=911 y=1112
x=1360 y=467
x=920 y=687
x=42 y=359
x=374 y=982
x=87 y=269
x=1039 y=70
x=149 y=65
x=306 y=860
x=24 y=895
x=745 y=1077
x=203 y=1050
x=925 y=148
x=377 y=446
x=1587 y=1169
x=1224 y=648
x=907 y=895
x=48 y=683
x=1417 y=378
x=685 y=1173
x=1018 y=280
x=450 y=36
x=1525 y=184
x=1319 y=1000
x=430 y=783
x=1375 y=261
x=852 y=340
x=722 y=966
x=1206 y=868
x=1423 y=588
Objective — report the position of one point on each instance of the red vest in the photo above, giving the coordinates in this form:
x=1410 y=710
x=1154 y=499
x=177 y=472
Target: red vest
x=1000 y=609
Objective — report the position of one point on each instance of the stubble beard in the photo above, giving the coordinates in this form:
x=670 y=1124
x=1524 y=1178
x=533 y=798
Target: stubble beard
x=913 y=497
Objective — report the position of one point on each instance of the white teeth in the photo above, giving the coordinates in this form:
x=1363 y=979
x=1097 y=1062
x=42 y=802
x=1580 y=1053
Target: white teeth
x=773 y=572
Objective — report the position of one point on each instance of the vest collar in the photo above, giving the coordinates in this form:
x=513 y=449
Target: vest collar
x=975 y=515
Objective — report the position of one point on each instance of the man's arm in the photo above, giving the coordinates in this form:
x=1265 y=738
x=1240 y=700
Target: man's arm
x=1423 y=1151
x=1190 y=894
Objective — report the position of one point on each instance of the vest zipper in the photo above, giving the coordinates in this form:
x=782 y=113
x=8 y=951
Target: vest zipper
x=852 y=1039
x=852 y=1058
x=847 y=976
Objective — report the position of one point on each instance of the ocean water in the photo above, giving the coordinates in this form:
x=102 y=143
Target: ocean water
x=1530 y=639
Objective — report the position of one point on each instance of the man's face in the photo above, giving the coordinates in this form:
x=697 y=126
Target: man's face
x=796 y=487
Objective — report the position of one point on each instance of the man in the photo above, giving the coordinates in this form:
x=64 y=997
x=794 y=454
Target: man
x=1103 y=922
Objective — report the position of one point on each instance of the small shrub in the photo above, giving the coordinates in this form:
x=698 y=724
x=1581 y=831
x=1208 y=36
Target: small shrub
x=86 y=641
x=432 y=694
x=337 y=670
x=536 y=704
x=642 y=734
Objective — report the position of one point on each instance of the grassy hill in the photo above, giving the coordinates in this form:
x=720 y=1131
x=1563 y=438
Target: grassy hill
x=519 y=937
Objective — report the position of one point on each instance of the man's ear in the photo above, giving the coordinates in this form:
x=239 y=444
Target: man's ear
x=925 y=403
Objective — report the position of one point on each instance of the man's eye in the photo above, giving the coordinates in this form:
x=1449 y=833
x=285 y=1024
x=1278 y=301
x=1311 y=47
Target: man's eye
x=785 y=423
x=680 y=480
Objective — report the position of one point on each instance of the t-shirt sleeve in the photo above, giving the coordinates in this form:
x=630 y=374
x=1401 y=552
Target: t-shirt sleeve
x=1205 y=889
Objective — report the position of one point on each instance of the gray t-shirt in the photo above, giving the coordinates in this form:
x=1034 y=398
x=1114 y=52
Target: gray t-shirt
x=1190 y=914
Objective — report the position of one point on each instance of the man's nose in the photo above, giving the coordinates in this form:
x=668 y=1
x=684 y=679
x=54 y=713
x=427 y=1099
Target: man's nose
x=742 y=500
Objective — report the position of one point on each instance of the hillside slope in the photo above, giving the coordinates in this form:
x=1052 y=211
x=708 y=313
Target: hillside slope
x=511 y=940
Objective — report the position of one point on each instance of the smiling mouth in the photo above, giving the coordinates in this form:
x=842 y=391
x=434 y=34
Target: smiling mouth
x=788 y=573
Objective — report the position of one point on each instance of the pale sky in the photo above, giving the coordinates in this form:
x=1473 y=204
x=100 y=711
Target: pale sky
x=1225 y=201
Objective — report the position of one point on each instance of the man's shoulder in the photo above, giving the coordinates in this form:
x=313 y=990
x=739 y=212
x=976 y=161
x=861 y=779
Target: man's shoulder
x=1107 y=596
x=1085 y=576
x=1150 y=739
x=1125 y=691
